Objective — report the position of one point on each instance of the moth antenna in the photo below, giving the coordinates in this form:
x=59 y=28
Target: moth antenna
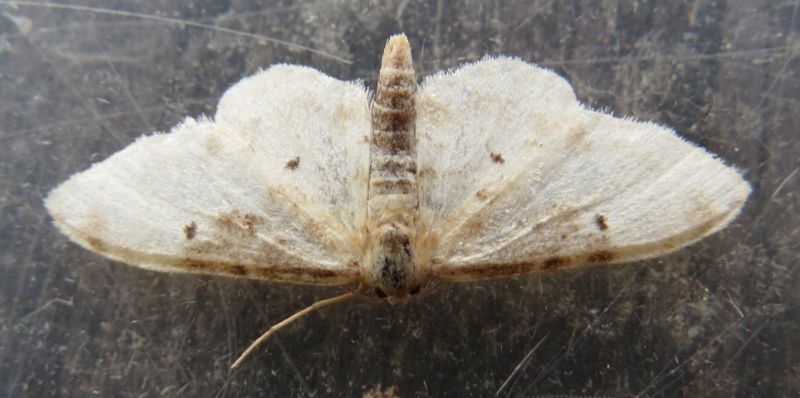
x=297 y=315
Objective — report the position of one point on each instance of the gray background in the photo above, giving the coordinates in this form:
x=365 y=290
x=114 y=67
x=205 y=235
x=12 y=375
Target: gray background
x=717 y=319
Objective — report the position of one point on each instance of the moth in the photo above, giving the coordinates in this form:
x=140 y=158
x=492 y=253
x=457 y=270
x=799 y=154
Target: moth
x=490 y=170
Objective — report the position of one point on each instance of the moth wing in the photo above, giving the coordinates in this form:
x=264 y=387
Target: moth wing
x=516 y=176
x=273 y=188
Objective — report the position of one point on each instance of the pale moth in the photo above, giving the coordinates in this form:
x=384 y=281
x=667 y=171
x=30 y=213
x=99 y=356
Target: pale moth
x=490 y=170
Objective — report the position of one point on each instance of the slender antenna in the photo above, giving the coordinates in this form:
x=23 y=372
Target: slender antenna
x=297 y=315
x=359 y=292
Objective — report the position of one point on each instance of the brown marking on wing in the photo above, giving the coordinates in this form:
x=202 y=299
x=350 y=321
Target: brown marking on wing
x=238 y=270
x=228 y=219
x=96 y=244
x=492 y=271
x=600 y=257
x=235 y=221
x=601 y=222
x=202 y=256
x=272 y=273
x=190 y=230
x=554 y=263
x=497 y=158
x=480 y=271
x=251 y=221
x=194 y=265
x=489 y=271
x=293 y=164
x=265 y=272
x=96 y=226
x=482 y=194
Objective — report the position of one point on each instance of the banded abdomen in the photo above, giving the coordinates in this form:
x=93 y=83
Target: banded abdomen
x=393 y=199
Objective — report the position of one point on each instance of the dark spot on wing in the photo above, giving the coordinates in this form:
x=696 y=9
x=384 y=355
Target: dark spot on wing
x=235 y=221
x=237 y=270
x=190 y=230
x=497 y=158
x=554 y=263
x=600 y=257
x=481 y=194
x=294 y=163
x=195 y=264
x=96 y=243
x=251 y=221
x=228 y=219
x=95 y=227
x=601 y=222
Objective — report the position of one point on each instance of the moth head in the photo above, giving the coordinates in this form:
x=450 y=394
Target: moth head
x=392 y=266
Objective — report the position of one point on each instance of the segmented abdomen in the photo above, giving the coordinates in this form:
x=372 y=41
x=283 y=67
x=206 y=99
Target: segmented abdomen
x=393 y=156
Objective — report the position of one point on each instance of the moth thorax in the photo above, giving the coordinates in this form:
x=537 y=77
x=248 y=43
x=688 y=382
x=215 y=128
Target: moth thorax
x=393 y=199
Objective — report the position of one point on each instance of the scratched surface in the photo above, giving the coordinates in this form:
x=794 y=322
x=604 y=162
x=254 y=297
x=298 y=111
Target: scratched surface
x=719 y=318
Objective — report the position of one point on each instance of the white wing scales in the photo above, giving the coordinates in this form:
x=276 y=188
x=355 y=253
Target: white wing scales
x=516 y=176
x=264 y=190
x=297 y=113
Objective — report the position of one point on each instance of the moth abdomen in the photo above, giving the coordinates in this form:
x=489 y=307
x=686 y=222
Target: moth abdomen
x=393 y=155
x=393 y=192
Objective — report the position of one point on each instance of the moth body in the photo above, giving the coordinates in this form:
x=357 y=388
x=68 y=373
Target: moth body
x=393 y=196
